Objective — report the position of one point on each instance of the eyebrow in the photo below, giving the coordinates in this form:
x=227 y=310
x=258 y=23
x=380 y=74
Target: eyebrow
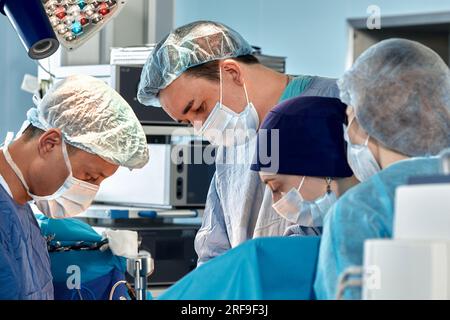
x=188 y=107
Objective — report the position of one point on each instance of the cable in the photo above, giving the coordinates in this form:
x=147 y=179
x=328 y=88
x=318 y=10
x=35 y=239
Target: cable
x=113 y=289
x=46 y=70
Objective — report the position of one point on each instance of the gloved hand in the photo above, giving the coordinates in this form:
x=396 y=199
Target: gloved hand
x=123 y=243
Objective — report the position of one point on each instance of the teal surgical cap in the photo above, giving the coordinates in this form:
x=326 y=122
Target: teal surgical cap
x=186 y=47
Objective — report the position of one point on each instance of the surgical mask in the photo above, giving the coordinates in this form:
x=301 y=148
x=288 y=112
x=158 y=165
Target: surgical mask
x=224 y=127
x=360 y=158
x=71 y=199
x=294 y=208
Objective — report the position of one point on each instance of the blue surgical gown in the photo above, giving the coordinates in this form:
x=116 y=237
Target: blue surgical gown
x=25 y=272
x=99 y=269
x=364 y=212
x=239 y=206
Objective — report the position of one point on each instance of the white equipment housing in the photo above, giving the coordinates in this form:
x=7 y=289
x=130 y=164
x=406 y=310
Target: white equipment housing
x=415 y=264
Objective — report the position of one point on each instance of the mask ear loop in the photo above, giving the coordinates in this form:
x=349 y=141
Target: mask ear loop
x=348 y=128
x=350 y=122
x=300 y=186
x=221 y=86
x=328 y=180
x=367 y=141
x=12 y=164
x=66 y=156
x=301 y=183
x=246 y=94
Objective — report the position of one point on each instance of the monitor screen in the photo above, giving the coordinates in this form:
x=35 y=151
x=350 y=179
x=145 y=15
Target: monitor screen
x=126 y=83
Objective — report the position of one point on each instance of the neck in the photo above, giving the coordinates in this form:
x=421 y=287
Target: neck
x=387 y=157
x=342 y=185
x=265 y=88
x=18 y=191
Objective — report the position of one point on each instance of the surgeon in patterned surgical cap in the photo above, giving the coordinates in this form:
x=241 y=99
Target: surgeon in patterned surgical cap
x=77 y=136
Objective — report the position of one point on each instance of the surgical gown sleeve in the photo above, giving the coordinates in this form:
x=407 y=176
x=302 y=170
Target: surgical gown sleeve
x=212 y=238
x=350 y=222
x=364 y=212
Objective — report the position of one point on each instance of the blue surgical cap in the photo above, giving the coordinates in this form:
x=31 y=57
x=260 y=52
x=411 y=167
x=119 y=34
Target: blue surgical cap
x=311 y=139
x=186 y=47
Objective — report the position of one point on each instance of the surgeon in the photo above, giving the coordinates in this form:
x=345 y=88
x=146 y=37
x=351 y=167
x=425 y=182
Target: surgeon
x=205 y=74
x=398 y=92
x=77 y=136
x=301 y=155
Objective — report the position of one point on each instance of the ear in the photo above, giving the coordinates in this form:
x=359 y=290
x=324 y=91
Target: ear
x=48 y=141
x=233 y=68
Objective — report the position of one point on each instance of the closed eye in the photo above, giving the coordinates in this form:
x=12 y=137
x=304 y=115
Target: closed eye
x=91 y=179
x=200 y=109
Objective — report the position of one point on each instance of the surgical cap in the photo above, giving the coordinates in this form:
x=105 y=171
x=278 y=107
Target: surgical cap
x=311 y=139
x=186 y=47
x=95 y=118
x=400 y=91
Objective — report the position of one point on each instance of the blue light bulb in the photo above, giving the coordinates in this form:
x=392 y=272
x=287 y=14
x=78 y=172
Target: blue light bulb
x=81 y=4
x=77 y=28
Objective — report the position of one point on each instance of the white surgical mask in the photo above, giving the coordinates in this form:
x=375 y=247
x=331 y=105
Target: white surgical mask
x=294 y=208
x=71 y=199
x=224 y=127
x=360 y=158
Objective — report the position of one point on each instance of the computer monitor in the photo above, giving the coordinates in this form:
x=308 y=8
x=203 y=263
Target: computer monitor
x=126 y=81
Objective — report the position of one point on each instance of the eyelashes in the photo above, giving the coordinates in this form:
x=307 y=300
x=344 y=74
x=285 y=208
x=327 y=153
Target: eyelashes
x=200 y=109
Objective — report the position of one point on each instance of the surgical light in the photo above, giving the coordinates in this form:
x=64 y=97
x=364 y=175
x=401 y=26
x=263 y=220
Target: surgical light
x=78 y=20
x=32 y=26
x=44 y=24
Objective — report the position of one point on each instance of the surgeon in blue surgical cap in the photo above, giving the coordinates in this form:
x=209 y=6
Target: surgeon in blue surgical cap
x=398 y=92
x=301 y=156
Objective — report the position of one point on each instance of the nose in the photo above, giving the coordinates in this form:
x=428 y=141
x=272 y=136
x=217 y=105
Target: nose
x=197 y=121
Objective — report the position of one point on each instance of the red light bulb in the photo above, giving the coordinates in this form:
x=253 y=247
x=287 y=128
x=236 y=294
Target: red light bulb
x=83 y=20
x=60 y=12
x=103 y=9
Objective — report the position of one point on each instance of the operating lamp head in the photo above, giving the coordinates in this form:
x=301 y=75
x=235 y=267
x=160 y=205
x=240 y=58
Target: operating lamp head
x=76 y=21
x=32 y=26
x=44 y=24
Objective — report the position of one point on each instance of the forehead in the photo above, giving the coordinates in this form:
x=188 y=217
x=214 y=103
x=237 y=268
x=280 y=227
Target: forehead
x=268 y=176
x=279 y=178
